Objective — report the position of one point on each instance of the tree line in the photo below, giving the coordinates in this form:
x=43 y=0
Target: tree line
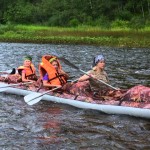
x=104 y=13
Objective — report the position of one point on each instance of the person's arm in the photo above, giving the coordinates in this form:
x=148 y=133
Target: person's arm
x=64 y=73
x=46 y=84
x=35 y=71
x=23 y=77
x=86 y=77
x=83 y=78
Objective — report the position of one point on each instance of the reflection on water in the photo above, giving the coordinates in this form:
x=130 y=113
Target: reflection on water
x=49 y=125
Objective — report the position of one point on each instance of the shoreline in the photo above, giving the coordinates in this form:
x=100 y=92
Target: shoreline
x=79 y=35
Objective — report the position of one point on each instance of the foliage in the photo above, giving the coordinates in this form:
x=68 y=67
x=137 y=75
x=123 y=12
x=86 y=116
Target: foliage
x=74 y=22
x=75 y=35
x=106 y=14
x=120 y=24
x=137 y=23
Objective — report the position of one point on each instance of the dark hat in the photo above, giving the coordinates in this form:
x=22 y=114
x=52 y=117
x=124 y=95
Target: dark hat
x=28 y=58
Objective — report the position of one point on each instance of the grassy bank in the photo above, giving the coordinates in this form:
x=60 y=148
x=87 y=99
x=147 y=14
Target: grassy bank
x=80 y=35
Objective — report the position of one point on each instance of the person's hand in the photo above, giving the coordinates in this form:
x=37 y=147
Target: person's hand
x=118 y=89
x=61 y=72
x=58 y=86
x=92 y=76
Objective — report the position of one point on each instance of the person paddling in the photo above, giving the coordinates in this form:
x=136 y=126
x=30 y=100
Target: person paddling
x=97 y=72
x=51 y=72
x=89 y=85
x=27 y=71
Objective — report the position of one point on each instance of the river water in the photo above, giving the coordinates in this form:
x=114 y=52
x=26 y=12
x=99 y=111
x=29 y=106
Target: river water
x=52 y=126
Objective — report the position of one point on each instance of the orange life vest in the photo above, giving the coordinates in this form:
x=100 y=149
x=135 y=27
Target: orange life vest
x=29 y=71
x=46 y=67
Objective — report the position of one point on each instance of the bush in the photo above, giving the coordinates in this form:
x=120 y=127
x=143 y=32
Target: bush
x=124 y=15
x=74 y=22
x=120 y=24
x=147 y=22
x=103 y=22
x=6 y=28
x=137 y=23
x=53 y=21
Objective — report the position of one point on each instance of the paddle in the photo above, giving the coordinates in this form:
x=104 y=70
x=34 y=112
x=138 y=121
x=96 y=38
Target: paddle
x=13 y=71
x=5 y=87
x=34 y=98
x=75 y=67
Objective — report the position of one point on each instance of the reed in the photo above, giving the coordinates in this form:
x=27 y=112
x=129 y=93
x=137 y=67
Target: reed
x=115 y=37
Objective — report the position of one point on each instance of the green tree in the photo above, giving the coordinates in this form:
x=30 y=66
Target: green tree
x=73 y=12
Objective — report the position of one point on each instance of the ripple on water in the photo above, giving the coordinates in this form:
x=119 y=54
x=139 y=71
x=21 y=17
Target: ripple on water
x=49 y=125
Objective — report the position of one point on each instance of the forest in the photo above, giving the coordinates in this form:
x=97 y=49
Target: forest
x=72 y=13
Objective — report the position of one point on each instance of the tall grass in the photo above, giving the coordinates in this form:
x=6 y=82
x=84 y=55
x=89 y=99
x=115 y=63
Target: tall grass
x=117 y=37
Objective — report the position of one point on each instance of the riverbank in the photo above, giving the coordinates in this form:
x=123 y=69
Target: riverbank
x=79 y=35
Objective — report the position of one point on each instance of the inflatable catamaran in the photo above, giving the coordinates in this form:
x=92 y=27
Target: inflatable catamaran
x=32 y=97
x=135 y=101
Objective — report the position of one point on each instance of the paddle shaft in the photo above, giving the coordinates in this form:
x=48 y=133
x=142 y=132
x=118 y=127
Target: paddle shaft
x=44 y=93
x=75 y=67
x=13 y=71
x=99 y=80
x=15 y=84
x=30 y=100
x=50 y=91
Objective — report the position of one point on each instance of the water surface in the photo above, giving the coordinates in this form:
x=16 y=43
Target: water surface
x=48 y=125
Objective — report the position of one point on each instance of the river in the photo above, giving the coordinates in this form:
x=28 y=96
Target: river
x=52 y=126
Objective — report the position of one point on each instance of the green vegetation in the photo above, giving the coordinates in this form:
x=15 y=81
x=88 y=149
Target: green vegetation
x=100 y=22
x=79 y=35
x=133 y=14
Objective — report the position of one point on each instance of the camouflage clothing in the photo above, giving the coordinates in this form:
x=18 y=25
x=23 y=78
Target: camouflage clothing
x=96 y=85
x=79 y=88
x=11 y=78
x=137 y=93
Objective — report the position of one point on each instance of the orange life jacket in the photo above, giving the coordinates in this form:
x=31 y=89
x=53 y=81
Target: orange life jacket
x=46 y=67
x=29 y=71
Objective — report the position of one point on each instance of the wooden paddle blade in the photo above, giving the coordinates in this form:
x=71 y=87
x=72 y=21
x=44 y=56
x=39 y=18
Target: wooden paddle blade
x=68 y=63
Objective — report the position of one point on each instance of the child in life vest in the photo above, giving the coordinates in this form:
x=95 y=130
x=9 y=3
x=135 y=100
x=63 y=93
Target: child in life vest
x=27 y=71
x=51 y=73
